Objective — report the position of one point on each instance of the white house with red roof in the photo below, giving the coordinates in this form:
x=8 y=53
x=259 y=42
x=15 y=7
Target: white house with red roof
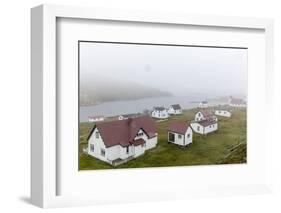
x=180 y=133
x=204 y=114
x=160 y=113
x=204 y=127
x=119 y=141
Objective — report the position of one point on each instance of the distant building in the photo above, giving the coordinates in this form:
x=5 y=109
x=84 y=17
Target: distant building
x=160 y=112
x=204 y=127
x=203 y=104
x=223 y=111
x=119 y=141
x=92 y=119
x=237 y=102
x=180 y=133
x=205 y=114
x=175 y=109
x=126 y=116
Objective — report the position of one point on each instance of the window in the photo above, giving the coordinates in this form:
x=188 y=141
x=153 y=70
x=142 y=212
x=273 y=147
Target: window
x=92 y=147
x=198 y=128
x=97 y=135
x=140 y=134
x=179 y=136
x=171 y=137
x=102 y=151
x=188 y=135
x=127 y=149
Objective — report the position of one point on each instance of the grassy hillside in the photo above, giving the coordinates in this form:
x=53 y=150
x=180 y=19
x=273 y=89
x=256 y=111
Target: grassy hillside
x=227 y=145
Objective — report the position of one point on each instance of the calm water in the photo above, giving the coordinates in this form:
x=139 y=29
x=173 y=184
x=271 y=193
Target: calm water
x=115 y=108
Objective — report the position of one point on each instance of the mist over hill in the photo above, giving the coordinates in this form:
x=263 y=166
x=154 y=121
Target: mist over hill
x=99 y=90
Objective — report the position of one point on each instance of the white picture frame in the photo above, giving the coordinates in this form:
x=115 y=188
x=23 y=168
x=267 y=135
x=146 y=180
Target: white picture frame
x=44 y=174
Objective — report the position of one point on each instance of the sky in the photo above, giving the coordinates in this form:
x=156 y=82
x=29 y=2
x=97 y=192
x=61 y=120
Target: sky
x=204 y=70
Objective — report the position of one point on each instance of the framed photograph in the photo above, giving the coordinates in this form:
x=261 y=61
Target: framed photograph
x=154 y=106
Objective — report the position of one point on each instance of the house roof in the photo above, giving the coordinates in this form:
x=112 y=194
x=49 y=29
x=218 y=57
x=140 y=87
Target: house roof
x=176 y=106
x=179 y=127
x=207 y=122
x=237 y=101
x=206 y=112
x=123 y=132
x=204 y=102
x=159 y=108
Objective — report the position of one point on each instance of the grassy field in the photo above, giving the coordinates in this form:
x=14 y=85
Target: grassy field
x=225 y=146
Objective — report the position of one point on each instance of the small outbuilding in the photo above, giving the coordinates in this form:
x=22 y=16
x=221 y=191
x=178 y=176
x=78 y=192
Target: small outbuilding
x=223 y=112
x=175 y=109
x=180 y=133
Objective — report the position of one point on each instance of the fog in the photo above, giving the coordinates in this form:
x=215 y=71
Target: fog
x=178 y=70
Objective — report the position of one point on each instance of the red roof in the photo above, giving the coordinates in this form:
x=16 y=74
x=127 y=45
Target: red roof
x=179 y=127
x=206 y=113
x=207 y=122
x=123 y=132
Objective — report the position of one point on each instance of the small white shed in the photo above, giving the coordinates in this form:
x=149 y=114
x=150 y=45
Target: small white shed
x=180 y=133
x=223 y=112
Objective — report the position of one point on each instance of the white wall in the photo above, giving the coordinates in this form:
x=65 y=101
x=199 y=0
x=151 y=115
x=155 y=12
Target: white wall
x=111 y=153
x=199 y=116
x=197 y=128
x=189 y=139
x=15 y=22
x=210 y=128
x=151 y=143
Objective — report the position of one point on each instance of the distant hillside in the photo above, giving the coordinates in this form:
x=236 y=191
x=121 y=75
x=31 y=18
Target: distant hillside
x=99 y=91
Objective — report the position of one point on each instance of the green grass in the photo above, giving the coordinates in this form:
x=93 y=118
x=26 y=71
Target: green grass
x=225 y=146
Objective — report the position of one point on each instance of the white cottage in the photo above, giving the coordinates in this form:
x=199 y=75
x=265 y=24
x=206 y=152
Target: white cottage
x=203 y=104
x=119 y=141
x=180 y=133
x=204 y=127
x=160 y=112
x=92 y=119
x=237 y=102
x=175 y=109
x=224 y=112
x=205 y=114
